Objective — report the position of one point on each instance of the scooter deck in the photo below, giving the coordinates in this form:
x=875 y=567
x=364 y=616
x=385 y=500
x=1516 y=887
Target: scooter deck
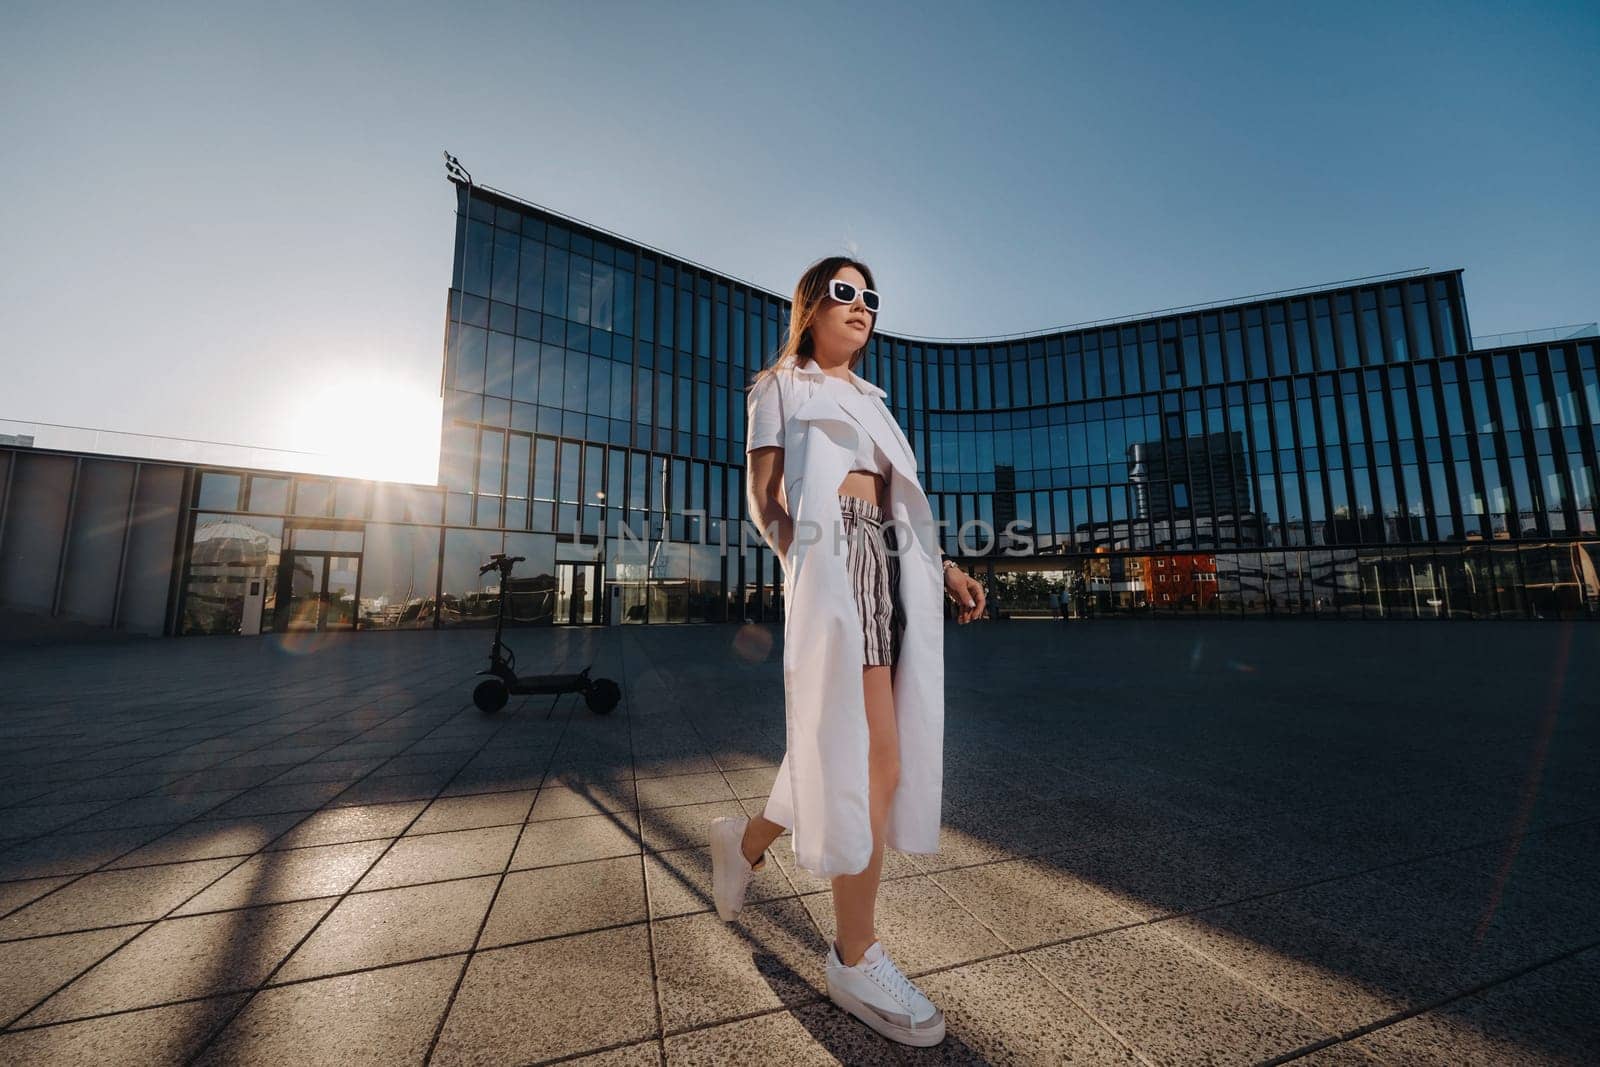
x=550 y=683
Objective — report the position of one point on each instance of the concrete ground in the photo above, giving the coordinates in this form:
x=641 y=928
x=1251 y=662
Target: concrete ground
x=1165 y=842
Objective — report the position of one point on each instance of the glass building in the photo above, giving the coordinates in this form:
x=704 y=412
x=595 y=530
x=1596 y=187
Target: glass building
x=1342 y=451
x=1347 y=451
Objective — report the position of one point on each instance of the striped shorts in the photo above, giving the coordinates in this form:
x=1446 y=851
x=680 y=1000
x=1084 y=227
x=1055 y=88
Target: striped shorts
x=875 y=578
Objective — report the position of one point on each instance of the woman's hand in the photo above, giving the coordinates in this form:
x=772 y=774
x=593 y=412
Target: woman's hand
x=967 y=592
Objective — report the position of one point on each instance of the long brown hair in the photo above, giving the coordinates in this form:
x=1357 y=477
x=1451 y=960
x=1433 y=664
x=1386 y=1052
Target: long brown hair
x=809 y=293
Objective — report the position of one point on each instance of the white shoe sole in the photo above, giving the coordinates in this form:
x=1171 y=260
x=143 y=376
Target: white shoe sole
x=723 y=842
x=929 y=1033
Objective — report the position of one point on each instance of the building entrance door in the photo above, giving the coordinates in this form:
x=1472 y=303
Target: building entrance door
x=318 y=590
x=577 y=593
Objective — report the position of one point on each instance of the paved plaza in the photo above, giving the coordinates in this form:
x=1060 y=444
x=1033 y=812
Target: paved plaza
x=1165 y=842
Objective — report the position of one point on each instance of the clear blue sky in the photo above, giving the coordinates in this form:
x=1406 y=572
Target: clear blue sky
x=231 y=222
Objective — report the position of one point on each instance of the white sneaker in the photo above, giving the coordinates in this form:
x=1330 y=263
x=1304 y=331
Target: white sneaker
x=730 y=871
x=875 y=992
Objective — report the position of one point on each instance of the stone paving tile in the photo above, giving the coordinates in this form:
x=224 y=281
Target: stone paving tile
x=1303 y=949
x=640 y=1054
x=111 y=898
x=163 y=1035
x=539 y=1001
x=36 y=819
x=486 y=780
x=586 y=837
x=1574 y=774
x=1032 y=902
x=647 y=765
x=206 y=752
x=563 y=802
x=1198 y=800
x=471 y=724
x=684 y=789
x=1460 y=912
x=471 y=812
x=1342 y=1054
x=1564 y=855
x=679 y=882
x=513 y=755
x=336 y=826
x=895 y=865
x=1546 y=1016
x=920 y=926
x=118 y=788
x=277 y=751
x=264 y=760
x=16 y=790
x=346 y=771
x=551 y=901
x=393 y=926
x=751 y=782
x=32 y=969
x=444 y=764
x=1169 y=1004
x=211 y=838
x=364 y=750
x=1361 y=833
x=754 y=754
x=1091 y=814
x=435 y=777
x=207 y=779
x=433 y=857
x=1193 y=868
x=709 y=971
x=962 y=842
x=269 y=799
x=1000 y=1011
x=609 y=755
x=186 y=959
x=389 y=790
x=753 y=806
x=683 y=826
x=445 y=744
x=276 y=877
x=14 y=895
x=1183 y=783
x=382 y=1016
x=78 y=768
x=812 y=1035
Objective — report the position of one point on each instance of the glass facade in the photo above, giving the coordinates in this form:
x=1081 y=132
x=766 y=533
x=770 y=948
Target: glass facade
x=1341 y=453
x=317 y=554
x=594 y=400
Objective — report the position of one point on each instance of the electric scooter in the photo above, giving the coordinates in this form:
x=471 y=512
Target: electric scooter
x=491 y=694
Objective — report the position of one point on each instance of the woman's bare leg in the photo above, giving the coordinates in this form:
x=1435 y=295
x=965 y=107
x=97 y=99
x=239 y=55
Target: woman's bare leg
x=855 y=895
x=759 y=834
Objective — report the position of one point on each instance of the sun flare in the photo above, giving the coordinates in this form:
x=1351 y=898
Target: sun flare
x=365 y=426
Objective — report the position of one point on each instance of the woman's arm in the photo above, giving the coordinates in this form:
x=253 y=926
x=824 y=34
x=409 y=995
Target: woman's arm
x=763 y=485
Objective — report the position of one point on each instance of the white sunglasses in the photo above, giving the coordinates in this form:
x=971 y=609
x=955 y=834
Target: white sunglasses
x=845 y=293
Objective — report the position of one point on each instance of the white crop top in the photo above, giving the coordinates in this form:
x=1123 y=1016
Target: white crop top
x=869 y=457
x=764 y=426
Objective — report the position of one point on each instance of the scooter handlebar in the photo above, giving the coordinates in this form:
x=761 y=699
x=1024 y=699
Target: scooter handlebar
x=497 y=559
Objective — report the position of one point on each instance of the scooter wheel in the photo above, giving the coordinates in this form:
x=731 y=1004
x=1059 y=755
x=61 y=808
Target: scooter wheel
x=491 y=695
x=602 y=696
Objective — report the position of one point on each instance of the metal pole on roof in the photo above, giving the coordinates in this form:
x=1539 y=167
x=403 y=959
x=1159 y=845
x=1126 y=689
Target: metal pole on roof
x=455 y=171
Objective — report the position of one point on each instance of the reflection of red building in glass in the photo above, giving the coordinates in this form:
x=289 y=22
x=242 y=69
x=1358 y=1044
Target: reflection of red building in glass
x=1185 y=579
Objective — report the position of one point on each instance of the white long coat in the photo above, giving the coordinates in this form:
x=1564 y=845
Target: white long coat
x=821 y=792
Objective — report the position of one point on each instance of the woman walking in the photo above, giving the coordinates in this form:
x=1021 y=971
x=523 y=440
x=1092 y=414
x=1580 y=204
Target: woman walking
x=832 y=483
